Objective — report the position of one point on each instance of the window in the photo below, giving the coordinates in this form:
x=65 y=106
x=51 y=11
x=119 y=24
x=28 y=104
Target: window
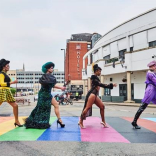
x=122 y=54
x=107 y=92
x=91 y=58
x=78 y=46
x=107 y=59
x=152 y=44
x=131 y=49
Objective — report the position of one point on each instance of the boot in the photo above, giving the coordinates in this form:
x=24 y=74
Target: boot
x=137 y=115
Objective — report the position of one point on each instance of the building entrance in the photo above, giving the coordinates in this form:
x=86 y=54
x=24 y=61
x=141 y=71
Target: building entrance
x=123 y=90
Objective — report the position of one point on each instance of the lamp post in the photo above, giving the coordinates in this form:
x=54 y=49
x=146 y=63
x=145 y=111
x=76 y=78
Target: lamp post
x=64 y=66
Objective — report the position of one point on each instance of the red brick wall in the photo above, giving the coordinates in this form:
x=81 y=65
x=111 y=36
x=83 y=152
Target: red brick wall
x=71 y=61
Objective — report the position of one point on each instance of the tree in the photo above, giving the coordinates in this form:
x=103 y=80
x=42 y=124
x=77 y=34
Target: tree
x=13 y=91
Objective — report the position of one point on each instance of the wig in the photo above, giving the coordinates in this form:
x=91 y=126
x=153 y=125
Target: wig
x=46 y=66
x=3 y=63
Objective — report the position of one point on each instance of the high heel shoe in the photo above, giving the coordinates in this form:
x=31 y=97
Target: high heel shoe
x=105 y=126
x=81 y=126
x=61 y=124
x=135 y=125
x=18 y=125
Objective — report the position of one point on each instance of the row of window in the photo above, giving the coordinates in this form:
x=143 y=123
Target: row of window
x=28 y=82
x=36 y=74
x=36 y=82
x=11 y=74
x=122 y=54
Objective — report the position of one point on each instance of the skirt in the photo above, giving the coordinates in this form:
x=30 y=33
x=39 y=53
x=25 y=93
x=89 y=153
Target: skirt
x=40 y=116
x=6 y=96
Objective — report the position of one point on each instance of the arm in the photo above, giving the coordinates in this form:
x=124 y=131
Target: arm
x=98 y=83
x=110 y=86
x=152 y=77
x=2 y=83
x=58 y=87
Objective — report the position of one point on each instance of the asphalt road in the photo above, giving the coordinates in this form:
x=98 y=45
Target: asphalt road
x=72 y=148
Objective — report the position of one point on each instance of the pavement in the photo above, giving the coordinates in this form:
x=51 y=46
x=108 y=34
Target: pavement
x=120 y=139
x=122 y=104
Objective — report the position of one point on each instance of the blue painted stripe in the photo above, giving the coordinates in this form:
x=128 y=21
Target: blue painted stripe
x=71 y=131
x=151 y=119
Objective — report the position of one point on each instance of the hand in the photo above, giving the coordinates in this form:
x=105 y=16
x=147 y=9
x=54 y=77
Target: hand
x=63 y=88
x=114 y=84
x=16 y=81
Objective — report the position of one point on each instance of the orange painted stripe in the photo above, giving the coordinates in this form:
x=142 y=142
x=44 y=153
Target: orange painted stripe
x=3 y=119
x=150 y=125
x=9 y=125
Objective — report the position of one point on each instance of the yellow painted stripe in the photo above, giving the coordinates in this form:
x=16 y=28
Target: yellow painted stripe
x=9 y=125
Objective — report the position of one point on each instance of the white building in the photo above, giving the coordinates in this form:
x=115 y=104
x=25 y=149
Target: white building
x=133 y=43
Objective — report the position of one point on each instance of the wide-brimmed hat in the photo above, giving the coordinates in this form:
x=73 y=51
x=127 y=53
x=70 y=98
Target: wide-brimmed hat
x=151 y=64
x=3 y=63
x=47 y=66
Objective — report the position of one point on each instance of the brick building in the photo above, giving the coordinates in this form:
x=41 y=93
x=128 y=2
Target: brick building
x=77 y=46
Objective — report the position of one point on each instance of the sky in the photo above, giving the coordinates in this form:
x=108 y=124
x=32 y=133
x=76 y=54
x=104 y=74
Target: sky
x=33 y=31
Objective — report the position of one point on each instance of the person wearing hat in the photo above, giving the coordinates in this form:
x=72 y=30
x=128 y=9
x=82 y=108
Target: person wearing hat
x=150 y=92
x=92 y=97
x=40 y=116
x=5 y=93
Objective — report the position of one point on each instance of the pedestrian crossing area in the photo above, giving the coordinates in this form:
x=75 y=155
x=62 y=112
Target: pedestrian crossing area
x=120 y=130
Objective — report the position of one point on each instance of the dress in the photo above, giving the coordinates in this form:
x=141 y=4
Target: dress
x=95 y=84
x=40 y=116
x=5 y=93
x=150 y=92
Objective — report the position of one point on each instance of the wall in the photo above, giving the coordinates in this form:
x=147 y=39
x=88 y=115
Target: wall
x=74 y=61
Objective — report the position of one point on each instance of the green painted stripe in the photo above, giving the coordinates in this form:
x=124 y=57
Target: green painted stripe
x=23 y=134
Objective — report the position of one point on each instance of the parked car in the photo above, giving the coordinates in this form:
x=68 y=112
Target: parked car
x=31 y=93
x=23 y=94
x=53 y=94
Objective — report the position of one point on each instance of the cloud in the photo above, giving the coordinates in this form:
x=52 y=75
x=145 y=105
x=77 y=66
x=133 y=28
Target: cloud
x=33 y=32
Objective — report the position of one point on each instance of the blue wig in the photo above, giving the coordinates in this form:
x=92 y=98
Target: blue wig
x=46 y=66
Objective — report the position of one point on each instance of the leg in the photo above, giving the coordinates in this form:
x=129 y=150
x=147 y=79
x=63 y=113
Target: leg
x=89 y=104
x=15 y=111
x=57 y=112
x=56 y=107
x=100 y=104
x=137 y=115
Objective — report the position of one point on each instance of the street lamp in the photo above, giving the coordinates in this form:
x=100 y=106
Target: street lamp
x=64 y=66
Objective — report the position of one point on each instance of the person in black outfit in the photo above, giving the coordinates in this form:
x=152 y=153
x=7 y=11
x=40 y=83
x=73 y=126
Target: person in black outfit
x=92 y=97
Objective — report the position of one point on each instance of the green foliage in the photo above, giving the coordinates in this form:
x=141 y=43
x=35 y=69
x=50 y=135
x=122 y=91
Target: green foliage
x=111 y=60
x=13 y=91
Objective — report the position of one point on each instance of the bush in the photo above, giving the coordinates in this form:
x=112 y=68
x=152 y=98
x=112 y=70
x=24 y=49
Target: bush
x=13 y=91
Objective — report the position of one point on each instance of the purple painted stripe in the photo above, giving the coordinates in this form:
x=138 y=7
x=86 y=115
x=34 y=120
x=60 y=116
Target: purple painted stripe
x=95 y=132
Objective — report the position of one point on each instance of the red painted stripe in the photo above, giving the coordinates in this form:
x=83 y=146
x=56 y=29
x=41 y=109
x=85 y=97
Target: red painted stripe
x=3 y=119
x=95 y=132
x=150 y=125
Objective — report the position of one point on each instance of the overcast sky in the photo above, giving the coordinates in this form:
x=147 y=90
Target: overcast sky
x=33 y=31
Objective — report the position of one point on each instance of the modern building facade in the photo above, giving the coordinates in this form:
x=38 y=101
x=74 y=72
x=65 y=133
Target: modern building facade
x=29 y=80
x=77 y=46
x=123 y=54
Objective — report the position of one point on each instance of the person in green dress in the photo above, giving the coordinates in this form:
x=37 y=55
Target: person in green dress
x=40 y=116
